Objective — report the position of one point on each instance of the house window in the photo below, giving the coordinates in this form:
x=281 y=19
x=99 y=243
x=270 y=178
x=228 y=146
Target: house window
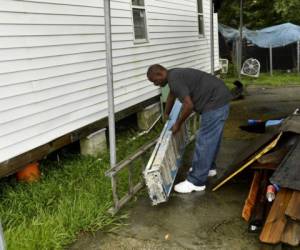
x=139 y=20
x=200 y=18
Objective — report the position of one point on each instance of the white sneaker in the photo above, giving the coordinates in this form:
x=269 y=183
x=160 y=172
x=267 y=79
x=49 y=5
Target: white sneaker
x=187 y=187
x=211 y=172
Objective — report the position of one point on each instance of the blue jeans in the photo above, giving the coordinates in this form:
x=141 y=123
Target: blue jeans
x=207 y=146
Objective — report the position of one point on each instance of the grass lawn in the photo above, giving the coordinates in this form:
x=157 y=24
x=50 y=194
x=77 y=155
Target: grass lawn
x=264 y=79
x=73 y=196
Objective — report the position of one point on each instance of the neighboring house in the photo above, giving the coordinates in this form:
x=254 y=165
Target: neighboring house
x=53 y=66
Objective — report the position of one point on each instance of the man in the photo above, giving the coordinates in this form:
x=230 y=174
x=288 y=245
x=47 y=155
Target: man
x=207 y=95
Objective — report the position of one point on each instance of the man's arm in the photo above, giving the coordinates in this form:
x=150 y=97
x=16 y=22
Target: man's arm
x=187 y=109
x=169 y=104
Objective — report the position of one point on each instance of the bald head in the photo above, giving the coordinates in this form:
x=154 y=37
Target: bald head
x=158 y=75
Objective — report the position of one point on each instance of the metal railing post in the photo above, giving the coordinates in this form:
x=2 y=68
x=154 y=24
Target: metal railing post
x=2 y=242
x=271 y=60
x=298 y=57
x=110 y=96
x=240 y=41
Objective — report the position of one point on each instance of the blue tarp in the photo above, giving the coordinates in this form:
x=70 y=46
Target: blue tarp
x=228 y=33
x=275 y=36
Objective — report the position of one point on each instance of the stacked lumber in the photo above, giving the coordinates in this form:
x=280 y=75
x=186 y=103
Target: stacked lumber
x=275 y=214
x=283 y=221
x=279 y=221
x=272 y=207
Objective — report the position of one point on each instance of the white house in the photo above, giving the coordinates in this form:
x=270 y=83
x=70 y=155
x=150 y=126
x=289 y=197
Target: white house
x=53 y=65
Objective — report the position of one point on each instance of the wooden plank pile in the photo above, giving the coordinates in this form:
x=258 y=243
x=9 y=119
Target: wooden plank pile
x=272 y=210
x=283 y=221
x=278 y=221
x=272 y=207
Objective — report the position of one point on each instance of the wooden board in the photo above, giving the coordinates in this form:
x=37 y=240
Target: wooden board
x=249 y=161
x=291 y=234
x=250 y=201
x=274 y=157
x=276 y=220
x=245 y=153
x=287 y=174
x=268 y=166
x=259 y=210
x=293 y=208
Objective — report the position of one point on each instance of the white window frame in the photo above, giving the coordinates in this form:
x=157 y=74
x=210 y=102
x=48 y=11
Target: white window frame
x=201 y=35
x=143 y=40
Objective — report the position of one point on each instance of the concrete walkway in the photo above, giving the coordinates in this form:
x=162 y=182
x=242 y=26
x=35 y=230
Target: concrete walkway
x=204 y=220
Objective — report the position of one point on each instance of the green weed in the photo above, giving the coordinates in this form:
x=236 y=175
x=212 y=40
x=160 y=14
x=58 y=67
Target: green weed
x=265 y=79
x=73 y=196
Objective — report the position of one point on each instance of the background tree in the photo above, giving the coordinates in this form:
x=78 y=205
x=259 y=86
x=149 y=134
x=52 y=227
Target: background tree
x=289 y=10
x=260 y=13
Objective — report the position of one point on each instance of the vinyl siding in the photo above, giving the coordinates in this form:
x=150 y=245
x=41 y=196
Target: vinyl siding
x=52 y=62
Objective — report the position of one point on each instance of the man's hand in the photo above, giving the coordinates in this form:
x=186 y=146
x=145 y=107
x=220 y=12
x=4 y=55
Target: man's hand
x=176 y=128
x=186 y=111
x=169 y=104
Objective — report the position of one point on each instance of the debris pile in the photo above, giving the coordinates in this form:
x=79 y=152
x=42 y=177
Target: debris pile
x=272 y=207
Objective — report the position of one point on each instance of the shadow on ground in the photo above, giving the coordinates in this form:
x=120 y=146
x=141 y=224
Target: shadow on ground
x=203 y=220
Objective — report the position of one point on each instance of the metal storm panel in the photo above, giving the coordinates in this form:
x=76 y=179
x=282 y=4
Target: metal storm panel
x=165 y=160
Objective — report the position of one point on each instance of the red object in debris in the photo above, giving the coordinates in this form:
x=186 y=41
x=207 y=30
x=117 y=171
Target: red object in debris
x=30 y=173
x=271 y=193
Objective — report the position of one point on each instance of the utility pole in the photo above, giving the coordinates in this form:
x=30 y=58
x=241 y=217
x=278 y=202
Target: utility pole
x=240 y=53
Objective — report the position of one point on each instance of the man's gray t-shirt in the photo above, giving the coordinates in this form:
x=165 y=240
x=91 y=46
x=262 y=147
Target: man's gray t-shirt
x=206 y=91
